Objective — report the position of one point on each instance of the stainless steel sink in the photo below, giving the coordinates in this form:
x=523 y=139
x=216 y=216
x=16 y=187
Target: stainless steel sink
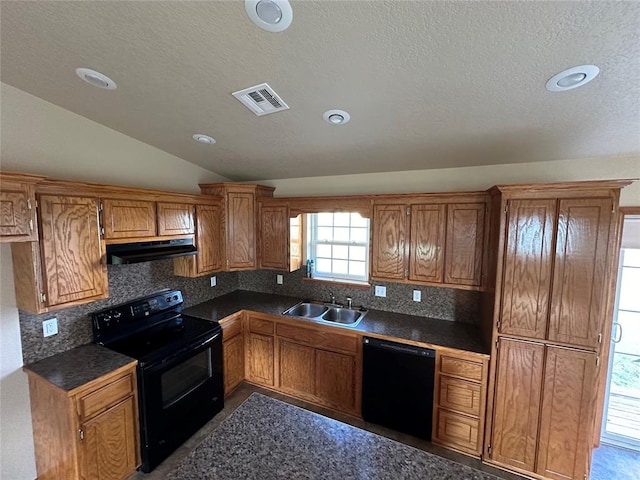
x=327 y=313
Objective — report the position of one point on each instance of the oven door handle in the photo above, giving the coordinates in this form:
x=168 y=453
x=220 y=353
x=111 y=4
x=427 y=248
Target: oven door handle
x=190 y=350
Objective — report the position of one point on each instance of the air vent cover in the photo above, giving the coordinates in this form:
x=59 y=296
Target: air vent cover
x=261 y=100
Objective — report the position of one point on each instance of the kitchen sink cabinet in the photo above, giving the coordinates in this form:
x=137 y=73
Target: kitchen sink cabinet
x=435 y=241
x=67 y=266
x=125 y=218
x=260 y=351
x=209 y=241
x=94 y=430
x=233 y=352
x=18 y=208
x=175 y=219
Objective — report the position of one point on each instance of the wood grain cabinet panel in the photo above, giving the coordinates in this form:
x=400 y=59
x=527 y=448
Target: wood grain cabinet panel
x=274 y=237
x=460 y=395
x=389 y=241
x=260 y=362
x=527 y=267
x=578 y=301
x=17 y=212
x=241 y=231
x=461 y=367
x=209 y=236
x=566 y=414
x=464 y=244
x=128 y=219
x=457 y=431
x=426 y=260
x=336 y=379
x=233 y=353
x=297 y=368
x=517 y=403
x=175 y=219
x=72 y=252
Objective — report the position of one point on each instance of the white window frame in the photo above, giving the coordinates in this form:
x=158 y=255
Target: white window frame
x=313 y=242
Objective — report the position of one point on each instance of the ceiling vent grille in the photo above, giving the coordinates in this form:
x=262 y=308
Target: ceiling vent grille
x=261 y=100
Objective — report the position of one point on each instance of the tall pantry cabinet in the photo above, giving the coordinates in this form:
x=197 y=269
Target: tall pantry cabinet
x=555 y=260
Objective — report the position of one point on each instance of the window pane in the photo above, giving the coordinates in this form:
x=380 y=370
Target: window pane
x=357 y=268
x=323 y=250
x=631 y=257
x=323 y=265
x=358 y=253
x=341 y=251
x=341 y=266
x=325 y=234
x=341 y=234
x=341 y=219
x=358 y=221
x=359 y=235
x=325 y=219
x=629 y=298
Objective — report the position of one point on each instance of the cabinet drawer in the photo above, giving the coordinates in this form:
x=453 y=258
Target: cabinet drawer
x=459 y=395
x=457 y=431
x=258 y=325
x=105 y=397
x=461 y=368
x=231 y=328
x=318 y=338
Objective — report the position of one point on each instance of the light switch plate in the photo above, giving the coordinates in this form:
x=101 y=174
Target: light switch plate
x=381 y=291
x=214 y=282
x=50 y=327
x=417 y=296
x=279 y=279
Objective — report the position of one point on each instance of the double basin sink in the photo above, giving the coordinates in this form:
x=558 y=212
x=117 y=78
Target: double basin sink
x=327 y=313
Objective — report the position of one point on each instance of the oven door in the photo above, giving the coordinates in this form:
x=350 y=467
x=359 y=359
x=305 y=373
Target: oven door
x=178 y=395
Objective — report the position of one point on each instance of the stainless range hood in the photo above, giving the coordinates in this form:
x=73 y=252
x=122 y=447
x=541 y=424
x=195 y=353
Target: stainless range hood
x=146 y=251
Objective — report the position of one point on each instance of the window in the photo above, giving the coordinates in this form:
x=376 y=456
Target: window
x=339 y=246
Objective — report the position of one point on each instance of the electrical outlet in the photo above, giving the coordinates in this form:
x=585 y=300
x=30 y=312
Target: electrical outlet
x=50 y=327
x=381 y=291
x=417 y=296
x=279 y=279
x=213 y=281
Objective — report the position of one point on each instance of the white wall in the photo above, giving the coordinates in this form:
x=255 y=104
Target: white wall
x=17 y=459
x=468 y=178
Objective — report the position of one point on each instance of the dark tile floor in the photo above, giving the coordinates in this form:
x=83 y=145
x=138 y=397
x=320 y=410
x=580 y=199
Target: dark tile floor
x=245 y=390
x=612 y=463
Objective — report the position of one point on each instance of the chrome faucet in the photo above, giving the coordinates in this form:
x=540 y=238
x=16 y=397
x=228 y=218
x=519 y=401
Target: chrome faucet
x=349 y=302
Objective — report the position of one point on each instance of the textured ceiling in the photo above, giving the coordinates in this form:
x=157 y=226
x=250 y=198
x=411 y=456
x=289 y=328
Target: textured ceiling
x=427 y=84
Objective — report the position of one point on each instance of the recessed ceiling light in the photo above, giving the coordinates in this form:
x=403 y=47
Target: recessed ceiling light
x=96 y=79
x=206 y=139
x=336 y=117
x=270 y=15
x=572 y=78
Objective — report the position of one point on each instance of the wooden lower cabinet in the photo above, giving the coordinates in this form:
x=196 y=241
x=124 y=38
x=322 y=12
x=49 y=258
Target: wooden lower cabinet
x=233 y=352
x=93 y=433
x=260 y=353
x=297 y=369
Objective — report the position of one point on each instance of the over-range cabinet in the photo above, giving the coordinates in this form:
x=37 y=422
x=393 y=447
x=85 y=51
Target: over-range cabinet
x=556 y=253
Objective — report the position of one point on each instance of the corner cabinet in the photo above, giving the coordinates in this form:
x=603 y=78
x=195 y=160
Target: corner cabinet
x=93 y=433
x=18 y=208
x=433 y=241
x=67 y=266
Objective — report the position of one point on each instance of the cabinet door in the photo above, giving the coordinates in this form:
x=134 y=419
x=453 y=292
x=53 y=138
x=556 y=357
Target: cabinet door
x=578 y=298
x=209 y=238
x=527 y=268
x=260 y=359
x=241 y=231
x=567 y=413
x=389 y=242
x=233 y=350
x=17 y=212
x=464 y=246
x=175 y=219
x=72 y=251
x=427 y=243
x=297 y=368
x=128 y=219
x=336 y=379
x=109 y=448
x=517 y=403
x=274 y=237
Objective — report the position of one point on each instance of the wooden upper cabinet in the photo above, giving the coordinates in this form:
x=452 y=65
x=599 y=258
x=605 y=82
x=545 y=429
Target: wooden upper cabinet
x=241 y=231
x=274 y=237
x=566 y=416
x=128 y=219
x=527 y=267
x=578 y=298
x=516 y=409
x=464 y=246
x=72 y=251
x=426 y=261
x=209 y=238
x=17 y=210
x=175 y=219
x=389 y=242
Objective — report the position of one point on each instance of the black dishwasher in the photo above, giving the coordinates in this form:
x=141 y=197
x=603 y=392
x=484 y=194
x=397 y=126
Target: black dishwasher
x=397 y=386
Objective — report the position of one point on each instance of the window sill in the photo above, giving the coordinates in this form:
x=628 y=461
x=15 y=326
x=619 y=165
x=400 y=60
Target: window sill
x=341 y=283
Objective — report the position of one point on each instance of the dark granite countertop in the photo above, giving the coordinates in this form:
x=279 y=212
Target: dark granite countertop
x=444 y=333
x=78 y=366
x=269 y=439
